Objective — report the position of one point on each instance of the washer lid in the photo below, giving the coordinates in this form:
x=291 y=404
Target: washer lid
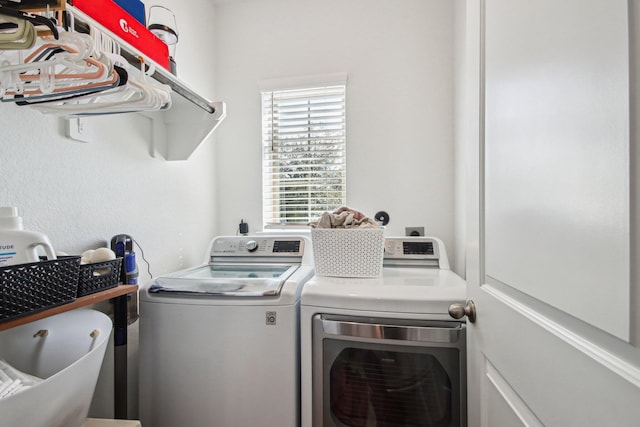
x=245 y=280
x=399 y=290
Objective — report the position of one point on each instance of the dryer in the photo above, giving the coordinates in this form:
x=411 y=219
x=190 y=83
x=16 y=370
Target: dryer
x=219 y=342
x=384 y=351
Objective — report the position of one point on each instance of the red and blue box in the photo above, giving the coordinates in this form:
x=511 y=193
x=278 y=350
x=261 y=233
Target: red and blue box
x=124 y=25
x=134 y=8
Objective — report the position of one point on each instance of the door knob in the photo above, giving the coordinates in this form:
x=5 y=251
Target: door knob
x=458 y=311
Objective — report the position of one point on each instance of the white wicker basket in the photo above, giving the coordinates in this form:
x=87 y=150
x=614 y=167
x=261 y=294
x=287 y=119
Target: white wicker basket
x=348 y=252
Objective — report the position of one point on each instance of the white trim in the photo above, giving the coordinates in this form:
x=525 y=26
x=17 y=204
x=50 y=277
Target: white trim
x=303 y=82
x=605 y=358
x=511 y=398
x=634 y=58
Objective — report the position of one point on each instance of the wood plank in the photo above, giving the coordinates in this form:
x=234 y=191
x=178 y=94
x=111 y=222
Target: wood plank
x=58 y=5
x=78 y=303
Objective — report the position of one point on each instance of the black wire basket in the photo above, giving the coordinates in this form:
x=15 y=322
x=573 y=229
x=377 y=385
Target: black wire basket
x=36 y=286
x=99 y=276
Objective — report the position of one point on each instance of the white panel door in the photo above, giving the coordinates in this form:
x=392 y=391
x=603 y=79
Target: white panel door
x=551 y=225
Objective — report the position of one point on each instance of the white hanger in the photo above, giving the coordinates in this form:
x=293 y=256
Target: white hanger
x=139 y=94
x=80 y=79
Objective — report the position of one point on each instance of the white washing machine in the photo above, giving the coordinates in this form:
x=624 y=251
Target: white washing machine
x=384 y=351
x=219 y=343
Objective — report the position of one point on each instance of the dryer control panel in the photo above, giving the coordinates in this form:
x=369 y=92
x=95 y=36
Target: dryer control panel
x=415 y=251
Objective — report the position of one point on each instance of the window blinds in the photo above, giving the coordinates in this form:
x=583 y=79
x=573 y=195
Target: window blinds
x=303 y=153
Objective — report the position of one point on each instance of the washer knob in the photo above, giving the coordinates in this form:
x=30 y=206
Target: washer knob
x=252 y=246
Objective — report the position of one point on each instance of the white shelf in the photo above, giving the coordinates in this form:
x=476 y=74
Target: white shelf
x=179 y=130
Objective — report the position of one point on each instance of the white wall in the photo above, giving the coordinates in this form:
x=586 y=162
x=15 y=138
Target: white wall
x=399 y=60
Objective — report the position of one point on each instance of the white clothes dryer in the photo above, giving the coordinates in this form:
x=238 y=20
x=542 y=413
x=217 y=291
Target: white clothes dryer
x=384 y=351
x=219 y=343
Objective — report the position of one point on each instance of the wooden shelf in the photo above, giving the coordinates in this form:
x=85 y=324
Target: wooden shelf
x=78 y=303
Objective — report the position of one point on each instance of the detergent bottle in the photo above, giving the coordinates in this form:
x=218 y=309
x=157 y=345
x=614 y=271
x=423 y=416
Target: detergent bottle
x=18 y=246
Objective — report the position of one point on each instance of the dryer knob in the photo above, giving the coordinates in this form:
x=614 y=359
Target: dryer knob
x=252 y=246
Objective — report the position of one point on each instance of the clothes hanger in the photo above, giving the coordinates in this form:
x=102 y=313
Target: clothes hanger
x=80 y=44
x=62 y=77
x=54 y=66
x=18 y=27
x=48 y=79
x=135 y=96
x=72 y=62
x=69 y=89
x=32 y=18
x=78 y=93
x=23 y=36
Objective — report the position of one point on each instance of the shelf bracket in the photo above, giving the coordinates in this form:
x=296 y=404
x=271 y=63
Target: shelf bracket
x=177 y=132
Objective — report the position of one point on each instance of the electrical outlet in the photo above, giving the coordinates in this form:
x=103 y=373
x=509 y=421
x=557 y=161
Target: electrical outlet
x=414 y=231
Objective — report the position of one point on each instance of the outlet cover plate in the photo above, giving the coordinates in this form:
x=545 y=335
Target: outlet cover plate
x=414 y=231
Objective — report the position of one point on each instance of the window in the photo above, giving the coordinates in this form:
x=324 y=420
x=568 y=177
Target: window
x=303 y=162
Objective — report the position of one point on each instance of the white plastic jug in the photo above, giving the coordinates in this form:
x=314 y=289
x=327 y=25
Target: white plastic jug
x=18 y=246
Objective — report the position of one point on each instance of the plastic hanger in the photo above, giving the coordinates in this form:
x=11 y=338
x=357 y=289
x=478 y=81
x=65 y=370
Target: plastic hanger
x=22 y=36
x=135 y=96
x=120 y=78
x=12 y=29
x=77 y=75
x=62 y=68
x=32 y=18
x=45 y=76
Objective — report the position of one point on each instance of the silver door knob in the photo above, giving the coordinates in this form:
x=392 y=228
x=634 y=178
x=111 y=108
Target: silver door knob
x=458 y=311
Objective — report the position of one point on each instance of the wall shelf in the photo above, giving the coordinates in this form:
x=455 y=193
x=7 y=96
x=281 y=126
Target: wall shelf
x=179 y=130
x=80 y=302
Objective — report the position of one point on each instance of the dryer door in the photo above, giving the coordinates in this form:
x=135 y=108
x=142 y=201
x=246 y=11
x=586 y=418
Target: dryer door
x=370 y=372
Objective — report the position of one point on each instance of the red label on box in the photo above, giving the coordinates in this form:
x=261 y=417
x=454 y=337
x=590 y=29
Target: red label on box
x=125 y=26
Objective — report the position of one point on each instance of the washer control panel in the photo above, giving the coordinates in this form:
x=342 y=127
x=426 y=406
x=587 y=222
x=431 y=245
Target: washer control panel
x=258 y=246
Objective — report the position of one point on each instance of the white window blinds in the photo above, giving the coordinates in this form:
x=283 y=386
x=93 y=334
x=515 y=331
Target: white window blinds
x=303 y=134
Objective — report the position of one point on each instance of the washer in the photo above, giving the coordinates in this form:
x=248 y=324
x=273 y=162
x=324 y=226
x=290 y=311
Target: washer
x=219 y=343
x=385 y=351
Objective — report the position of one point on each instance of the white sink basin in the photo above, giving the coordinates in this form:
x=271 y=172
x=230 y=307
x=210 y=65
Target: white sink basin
x=68 y=357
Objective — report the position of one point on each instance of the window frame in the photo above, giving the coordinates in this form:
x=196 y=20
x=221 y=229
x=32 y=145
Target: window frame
x=286 y=136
